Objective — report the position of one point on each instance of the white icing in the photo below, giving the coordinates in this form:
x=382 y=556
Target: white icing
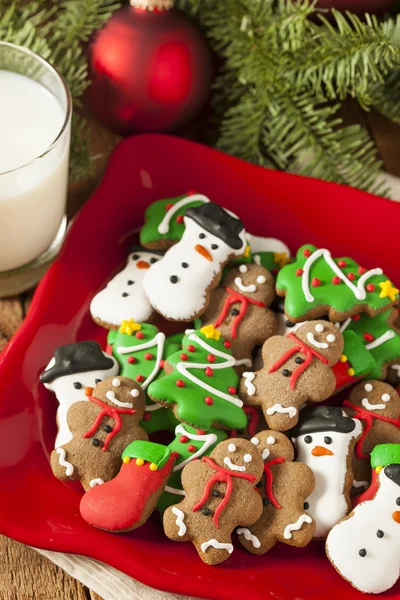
x=287 y=534
x=111 y=396
x=311 y=340
x=134 y=393
x=319 y=328
x=180 y=516
x=69 y=467
x=208 y=438
x=327 y=503
x=163 y=227
x=116 y=382
x=265 y=453
x=232 y=466
x=247 y=458
x=175 y=491
x=186 y=298
x=271 y=440
x=278 y=408
x=360 y=484
x=232 y=448
x=379 y=569
x=264 y=244
x=218 y=545
x=248 y=382
x=255 y=441
x=358 y=290
x=95 y=482
x=110 y=306
x=261 y=279
x=389 y=335
x=396 y=368
x=249 y=536
x=158 y=340
x=330 y=338
x=343 y=326
x=368 y=387
x=243 y=269
x=153 y=407
x=245 y=288
x=366 y=404
x=386 y=397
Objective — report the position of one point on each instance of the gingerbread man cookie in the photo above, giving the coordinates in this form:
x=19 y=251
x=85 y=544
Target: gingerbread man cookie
x=297 y=369
x=220 y=496
x=239 y=309
x=284 y=488
x=101 y=429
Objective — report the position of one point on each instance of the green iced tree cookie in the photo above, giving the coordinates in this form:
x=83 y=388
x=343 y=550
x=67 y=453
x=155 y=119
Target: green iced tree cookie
x=201 y=382
x=141 y=349
x=384 y=455
x=316 y=284
x=190 y=444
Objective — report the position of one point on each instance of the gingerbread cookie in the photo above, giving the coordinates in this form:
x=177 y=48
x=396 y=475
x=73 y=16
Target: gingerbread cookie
x=72 y=374
x=179 y=286
x=220 y=496
x=201 y=382
x=316 y=284
x=123 y=298
x=239 y=309
x=284 y=489
x=297 y=369
x=164 y=220
x=325 y=438
x=126 y=502
x=365 y=547
x=101 y=429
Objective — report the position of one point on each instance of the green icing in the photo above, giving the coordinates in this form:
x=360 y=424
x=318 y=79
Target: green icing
x=340 y=297
x=154 y=215
x=206 y=444
x=268 y=261
x=381 y=328
x=190 y=398
x=359 y=357
x=385 y=454
x=148 y=451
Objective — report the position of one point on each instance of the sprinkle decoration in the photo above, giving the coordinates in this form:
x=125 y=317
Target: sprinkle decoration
x=184 y=356
x=299 y=272
x=209 y=372
x=140 y=378
x=191 y=348
x=227 y=344
x=315 y=282
x=140 y=335
x=183 y=439
x=336 y=280
x=179 y=219
x=191 y=448
x=208 y=400
x=131 y=360
x=148 y=356
x=180 y=383
x=370 y=287
x=211 y=358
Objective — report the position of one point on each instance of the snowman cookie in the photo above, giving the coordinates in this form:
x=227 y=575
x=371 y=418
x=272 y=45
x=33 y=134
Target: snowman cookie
x=239 y=309
x=297 y=369
x=72 y=374
x=179 y=285
x=324 y=439
x=284 y=488
x=365 y=547
x=124 y=296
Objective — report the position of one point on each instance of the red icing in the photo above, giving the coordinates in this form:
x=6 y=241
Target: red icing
x=162 y=363
x=361 y=270
x=200 y=431
x=342 y=264
x=306 y=252
x=140 y=335
x=244 y=301
x=211 y=358
x=183 y=439
x=303 y=349
x=209 y=372
x=299 y=272
x=131 y=360
x=179 y=219
x=107 y=411
x=370 y=287
x=253 y=417
x=191 y=448
x=147 y=416
x=355 y=318
x=269 y=480
x=148 y=356
x=180 y=383
x=336 y=280
x=370 y=492
x=232 y=390
x=351 y=276
x=315 y=282
x=208 y=400
x=220 y=475
x=191 y=348
x=368 y=337
x=140 y=378
x=168 y=207
x=183 y=356
x=227 y=344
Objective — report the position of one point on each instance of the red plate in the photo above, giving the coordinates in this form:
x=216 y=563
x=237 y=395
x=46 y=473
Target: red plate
x=37 y=509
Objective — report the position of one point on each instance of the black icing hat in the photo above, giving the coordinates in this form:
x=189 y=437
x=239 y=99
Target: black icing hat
x=322 y=418
x=138 y=248
x=80 y=357
x=393 y=473
x=216 y=220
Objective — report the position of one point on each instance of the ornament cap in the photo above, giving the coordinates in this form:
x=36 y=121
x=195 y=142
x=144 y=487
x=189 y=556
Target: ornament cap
x=151 y=5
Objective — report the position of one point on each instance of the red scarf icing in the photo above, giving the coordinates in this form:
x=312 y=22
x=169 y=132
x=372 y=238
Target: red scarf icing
x=108 y=411
x=269 y=480
x=367 y=417
x=244 y=302
x=252 y=412
x=303 y=349
x=221 y=475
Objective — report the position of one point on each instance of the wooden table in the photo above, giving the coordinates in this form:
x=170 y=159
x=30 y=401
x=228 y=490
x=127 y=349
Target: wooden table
x=24 y=574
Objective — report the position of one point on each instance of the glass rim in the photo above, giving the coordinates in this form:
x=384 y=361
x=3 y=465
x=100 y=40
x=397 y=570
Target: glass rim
x=67 y=91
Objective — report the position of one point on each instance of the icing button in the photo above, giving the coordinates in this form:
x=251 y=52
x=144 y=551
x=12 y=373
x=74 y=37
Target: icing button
x=216 y=494
x=206 y=512
x=125 y=294
x=107 y=428
x=299 y=360
x=173 y=279
x=286 y=373
x=234 y=312
x=380 y=533
x=362 y=552
x=306 y=505
x=95 y=442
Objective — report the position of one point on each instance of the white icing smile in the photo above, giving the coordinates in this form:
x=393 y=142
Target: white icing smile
x=232 y=466
x=311 y=339
x=366 y=404
x=278 y=408
x=111 y=396
x=245 y=288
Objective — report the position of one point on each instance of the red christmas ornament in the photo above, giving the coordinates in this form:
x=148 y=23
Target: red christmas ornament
x=150 y=69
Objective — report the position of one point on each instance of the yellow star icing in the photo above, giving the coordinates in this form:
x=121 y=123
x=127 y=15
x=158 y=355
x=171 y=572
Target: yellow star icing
x=210 y=332
x=388 y=290
x=281 y=258
x=129 y=327
x=247 y=251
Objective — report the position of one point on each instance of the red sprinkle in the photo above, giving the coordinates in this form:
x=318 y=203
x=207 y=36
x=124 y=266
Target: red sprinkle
x=131 y=360
x=180 y=383
x=299 y=272
x=191 y=193
x=162 y=363
x=315 y=282
x=355 y=318
x=211 y=358
x=368 y=337
x=140 y=378
x=191 y=448
x=168 y=207
x=179 y=219
x=307 y=252
x=147 y=416
x=336 y=280
x=232 y=390
x=140 y=335
x=362 y=270
x=209 y=372
x=183 y=439
x=351 y=276
x=148 y=356
x=200 y=432
x=227 y=344
x=370 y=287
x=342 y=263
x=208 y=400
x=191 y=348
x=184 y=356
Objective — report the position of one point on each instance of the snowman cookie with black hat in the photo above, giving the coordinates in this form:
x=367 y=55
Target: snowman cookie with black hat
x=123 y=298
x=179 y=285
x=325 y=438
x=72 y=374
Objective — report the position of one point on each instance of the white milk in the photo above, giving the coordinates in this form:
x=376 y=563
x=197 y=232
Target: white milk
x=32 y=199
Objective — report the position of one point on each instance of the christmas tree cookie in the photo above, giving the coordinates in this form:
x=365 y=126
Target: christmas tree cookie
x=163 y=220
x=316 y=284
x=201 y=382
x=270 y=253
x=141 y=349
x=189 y=444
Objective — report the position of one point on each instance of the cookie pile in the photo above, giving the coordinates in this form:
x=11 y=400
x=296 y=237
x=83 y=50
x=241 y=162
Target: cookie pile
x=264 y=340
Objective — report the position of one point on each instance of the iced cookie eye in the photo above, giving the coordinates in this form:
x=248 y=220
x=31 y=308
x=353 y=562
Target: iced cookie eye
x=386 y=397
x=136 y=257
x=214 y=246
x=328 y=440
x=330 y=338
x=271 y=440
x=319 y=328
x=368 y=387
x=202 y=236
x=255 y=441
x=153 y=260
x=247 y=458
x=308 y=439
x=231 y=447
x=261 y=279
x=77 y=385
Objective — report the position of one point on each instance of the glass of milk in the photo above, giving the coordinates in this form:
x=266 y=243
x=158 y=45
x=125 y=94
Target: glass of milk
x=35 y=123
